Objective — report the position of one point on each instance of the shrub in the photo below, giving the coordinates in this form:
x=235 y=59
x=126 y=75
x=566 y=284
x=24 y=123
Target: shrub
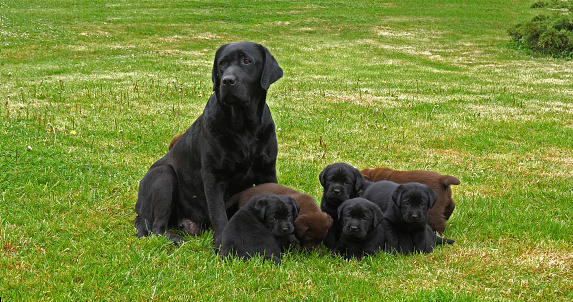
x=546 y=34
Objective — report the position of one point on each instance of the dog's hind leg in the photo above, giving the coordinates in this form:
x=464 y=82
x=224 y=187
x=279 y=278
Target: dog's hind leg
x=155 y=202
x=142 y=226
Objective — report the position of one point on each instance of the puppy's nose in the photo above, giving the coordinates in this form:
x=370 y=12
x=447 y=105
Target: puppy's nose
x=353 y=228
x=415 y=216
x=285 y=229
x=336 y=191
x=228 y=81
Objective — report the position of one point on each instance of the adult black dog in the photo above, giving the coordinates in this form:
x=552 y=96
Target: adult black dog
x=340 y=182
x=405 y=222
x=264 y=226
x=229 y=148
x=362 y=233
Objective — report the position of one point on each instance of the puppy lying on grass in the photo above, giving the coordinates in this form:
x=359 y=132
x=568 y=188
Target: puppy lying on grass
x=311 y=226
x=439 y=214
x=405 y=219
x=264 y=227
x=362 y=232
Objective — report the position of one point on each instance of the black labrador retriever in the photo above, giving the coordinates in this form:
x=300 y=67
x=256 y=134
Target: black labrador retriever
x=263 y=227
x=362 y=232
x=230 y=147
x=405 y=219
x=340 y=182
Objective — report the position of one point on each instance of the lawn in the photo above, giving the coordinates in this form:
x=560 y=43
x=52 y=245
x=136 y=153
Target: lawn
x=91 y=93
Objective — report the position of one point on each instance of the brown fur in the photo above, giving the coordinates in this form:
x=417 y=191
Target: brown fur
x=174 y=140
x=442 y=210
x=312 y=224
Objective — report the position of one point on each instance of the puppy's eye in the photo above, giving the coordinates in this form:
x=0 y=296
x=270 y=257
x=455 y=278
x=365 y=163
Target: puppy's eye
x=223 y=63
x=246 y=61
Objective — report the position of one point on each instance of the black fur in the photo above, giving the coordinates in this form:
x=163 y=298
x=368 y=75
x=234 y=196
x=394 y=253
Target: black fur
x=362 y=233
x=340 y=182
x=230 y=147
x=405 y=220
x=264 y=226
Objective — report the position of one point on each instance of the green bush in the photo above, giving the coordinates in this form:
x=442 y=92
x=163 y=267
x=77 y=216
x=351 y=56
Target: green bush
x=546 y=34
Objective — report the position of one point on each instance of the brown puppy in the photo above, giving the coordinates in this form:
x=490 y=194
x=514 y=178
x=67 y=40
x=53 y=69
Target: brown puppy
x=442 y=210
x=310 y=227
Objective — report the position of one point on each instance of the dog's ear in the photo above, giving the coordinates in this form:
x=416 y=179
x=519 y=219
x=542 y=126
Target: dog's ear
x=433 y=197
x=397 y=195
x=271 y=69
x=261 y=207
x=360 y=184
x=295 y=206
x=215 y=72
x=377 y=215
x=321 y=177
x=340 y=209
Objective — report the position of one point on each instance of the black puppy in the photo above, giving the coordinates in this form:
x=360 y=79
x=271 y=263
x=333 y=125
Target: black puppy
x=362 y=232
x=230 y=147
x=264 y=226
x=405 y=220
x=340 y=182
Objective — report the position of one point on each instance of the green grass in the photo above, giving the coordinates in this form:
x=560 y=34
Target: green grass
x=91 y=93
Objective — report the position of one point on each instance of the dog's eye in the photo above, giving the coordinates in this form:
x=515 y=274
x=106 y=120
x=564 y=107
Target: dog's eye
x=223 y=63
x=246 y=61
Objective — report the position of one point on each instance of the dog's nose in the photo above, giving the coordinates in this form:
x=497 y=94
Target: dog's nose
x=336 y=191
x=285 y=229
x=414 y=216
x=228 y=81
x=353 y=228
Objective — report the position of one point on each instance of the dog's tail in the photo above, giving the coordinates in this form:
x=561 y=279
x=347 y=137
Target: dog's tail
x=448 y=180
x=442 y=241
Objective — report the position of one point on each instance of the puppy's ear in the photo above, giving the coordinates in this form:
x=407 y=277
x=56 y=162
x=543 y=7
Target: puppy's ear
x=215 y=72
x=340 y=209
x=433 y=197
x=397 y=195
x=295 y=206
x=360 y=184
x=261 y=207
x=321 y=177
x=377 y=215
x=271 y=70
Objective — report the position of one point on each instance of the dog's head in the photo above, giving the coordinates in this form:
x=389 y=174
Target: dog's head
x=242 y=70
x=359 y=217
x=277 y=212
x=311 y=229
x=341 y=182
x=414 y=200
